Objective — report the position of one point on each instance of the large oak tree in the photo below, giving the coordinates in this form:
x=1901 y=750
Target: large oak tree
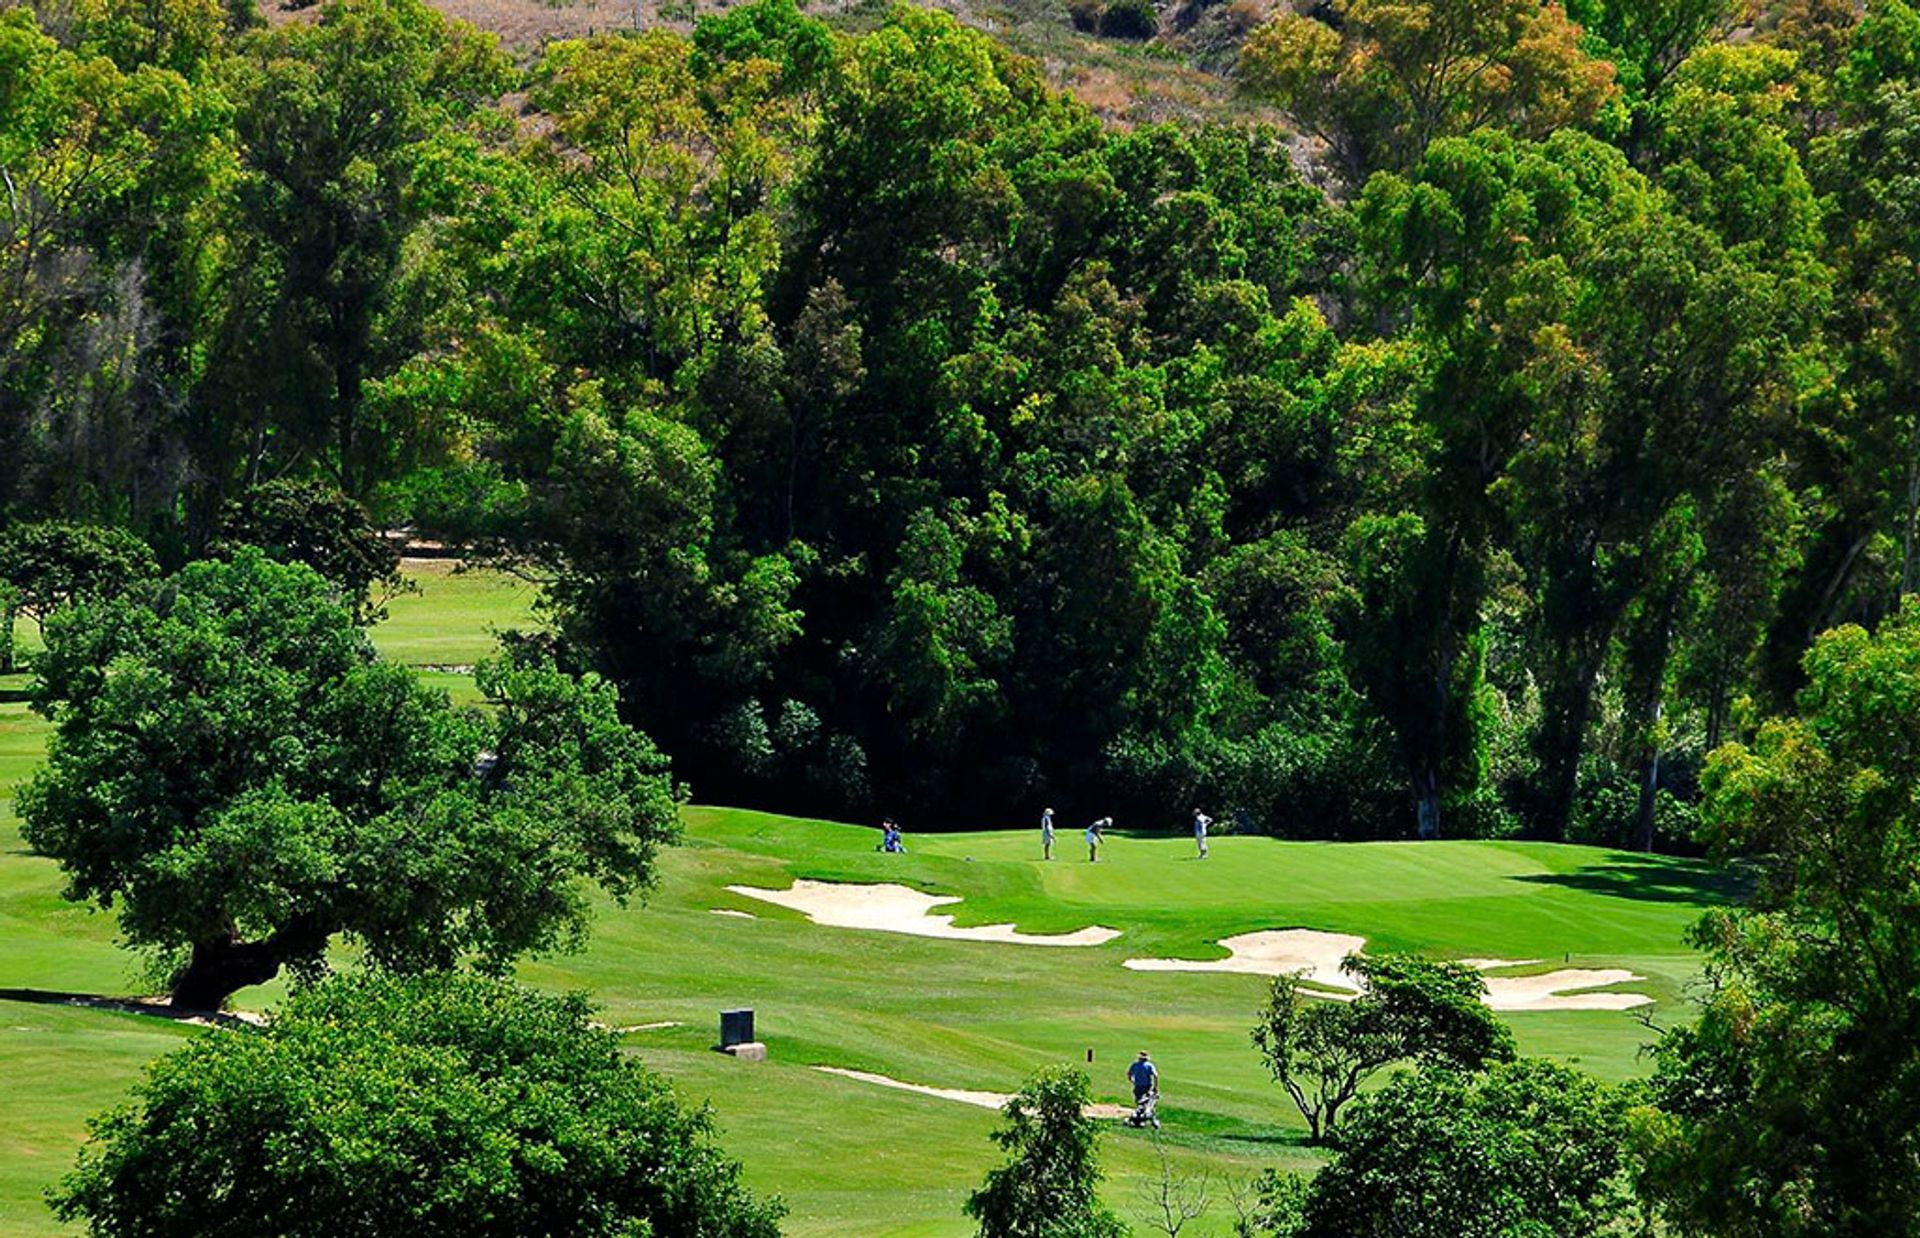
x=237 y=776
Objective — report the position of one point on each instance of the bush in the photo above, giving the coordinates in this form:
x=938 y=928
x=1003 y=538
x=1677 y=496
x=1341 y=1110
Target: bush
x=379 y=1106
x=1130 y=19
x=1531 y=1148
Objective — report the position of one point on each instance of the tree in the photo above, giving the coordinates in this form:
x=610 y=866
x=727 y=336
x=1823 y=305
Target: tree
x=48 y=564
x=1787 y=1107
x=1531 y=1147
x=239 y=779
x=1047 y=1187
x=1865 y=553
x=386 y=1106
x=1321 y=1051
x=1171 y=1200
x=108 y=150
x=332 y=117
x=1387 y=78
x=310 y=522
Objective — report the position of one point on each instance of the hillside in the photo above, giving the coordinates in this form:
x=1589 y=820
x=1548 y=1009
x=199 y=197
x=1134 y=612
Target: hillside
x=1176 y=72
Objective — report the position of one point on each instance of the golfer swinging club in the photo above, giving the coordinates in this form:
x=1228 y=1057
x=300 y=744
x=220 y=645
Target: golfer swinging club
x=1200 y=823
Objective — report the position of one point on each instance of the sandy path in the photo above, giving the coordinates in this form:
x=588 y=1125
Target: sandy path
x=1316 y=956
x=891 y=908
x=966 y=1096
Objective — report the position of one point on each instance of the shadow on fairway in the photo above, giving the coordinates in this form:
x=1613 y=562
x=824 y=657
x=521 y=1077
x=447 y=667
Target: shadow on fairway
x=1212 y=1132
x=152 y=1008
x=1653 y=879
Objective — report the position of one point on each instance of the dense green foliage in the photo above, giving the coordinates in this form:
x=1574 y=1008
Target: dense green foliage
x=312 y=523
x=1047 y=1188
x=1790 y=1107
x=437 y=1105
x=1529 y=1148
x=1321 y=1051
x=897 y=437
x=239 y=779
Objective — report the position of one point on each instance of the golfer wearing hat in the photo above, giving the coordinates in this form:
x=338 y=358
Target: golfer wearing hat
x=1143 y=1076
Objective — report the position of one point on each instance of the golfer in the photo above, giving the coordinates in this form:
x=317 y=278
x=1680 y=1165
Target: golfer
x=1094 y=838
x=1143 y=1076
x=1200 y=823
x=1046 y=833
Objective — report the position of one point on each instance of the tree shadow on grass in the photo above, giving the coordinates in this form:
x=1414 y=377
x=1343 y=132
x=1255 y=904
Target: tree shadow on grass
x=1654 y=879
x=154 y=1008
x=1215 y=1132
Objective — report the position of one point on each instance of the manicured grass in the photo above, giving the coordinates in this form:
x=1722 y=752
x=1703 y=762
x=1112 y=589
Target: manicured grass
x=982 y=1015
x=452 y=616
x=60 y=1067
x=851 y=1158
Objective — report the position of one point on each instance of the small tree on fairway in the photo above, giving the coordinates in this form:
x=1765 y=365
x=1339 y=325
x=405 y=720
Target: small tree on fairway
x=1047 y=1188
x=442 y=1105
x=237 y=776
x=1321 y=1051
x=1171 y=1200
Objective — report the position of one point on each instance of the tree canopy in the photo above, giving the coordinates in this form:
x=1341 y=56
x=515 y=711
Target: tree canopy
x=238 y=778
x=1048 y=1186
x=1786 y=1106
x=378 y=1105
x=898 y=437
x=1409 y=1010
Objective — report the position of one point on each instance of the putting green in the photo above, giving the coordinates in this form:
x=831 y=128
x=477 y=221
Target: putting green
x=854 y=1158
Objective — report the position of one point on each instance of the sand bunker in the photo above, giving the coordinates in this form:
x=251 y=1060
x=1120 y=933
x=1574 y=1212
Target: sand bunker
x=899 y=909
x=1555 y=990
x=966 y=1096
x=1315 y=957
x=729 y=911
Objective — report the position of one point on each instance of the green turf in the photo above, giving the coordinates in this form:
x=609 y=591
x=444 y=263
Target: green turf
x=451 y=616
x=851 y=1158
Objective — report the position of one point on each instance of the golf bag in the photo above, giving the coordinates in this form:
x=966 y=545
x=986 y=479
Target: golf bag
x=1146 y=1111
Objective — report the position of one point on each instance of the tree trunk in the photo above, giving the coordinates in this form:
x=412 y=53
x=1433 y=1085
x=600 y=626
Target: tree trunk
x=1563 y=737
x=1650 y=646
x=1426 y=798
x=1910 y=539
x=220 y=967
x=1649 y=788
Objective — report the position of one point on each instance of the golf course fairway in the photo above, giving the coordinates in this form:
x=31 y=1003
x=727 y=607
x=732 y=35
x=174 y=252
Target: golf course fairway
x=850 y=1156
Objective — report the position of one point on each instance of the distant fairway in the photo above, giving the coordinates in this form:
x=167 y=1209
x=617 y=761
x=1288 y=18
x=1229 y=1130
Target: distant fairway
x=850 y=1157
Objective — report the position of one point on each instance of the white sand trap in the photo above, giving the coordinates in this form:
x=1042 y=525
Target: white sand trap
x=891 y=908
x=1555 y=990
x=1307 y=953
x=736 y=914
x=966 y=1096
x=1315 y=956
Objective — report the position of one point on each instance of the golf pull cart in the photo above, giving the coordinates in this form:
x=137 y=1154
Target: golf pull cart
x=1146 y=1111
